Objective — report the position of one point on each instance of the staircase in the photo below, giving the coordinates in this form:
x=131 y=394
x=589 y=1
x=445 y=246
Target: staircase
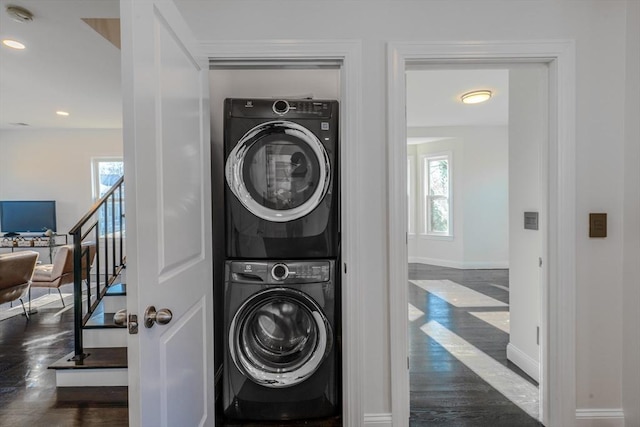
x=105 y=346
x=99 y=358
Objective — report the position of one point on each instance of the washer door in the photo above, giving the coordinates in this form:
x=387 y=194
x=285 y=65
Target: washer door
x=279 y=171
x=279 y=337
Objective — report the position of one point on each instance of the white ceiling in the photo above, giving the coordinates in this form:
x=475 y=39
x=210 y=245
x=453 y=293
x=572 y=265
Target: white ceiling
x=66 y=66
x=69 y=66
x=433 y=97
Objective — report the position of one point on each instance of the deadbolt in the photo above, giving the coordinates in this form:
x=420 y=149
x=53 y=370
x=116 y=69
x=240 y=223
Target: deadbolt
x=131 y=321
x=161 y=317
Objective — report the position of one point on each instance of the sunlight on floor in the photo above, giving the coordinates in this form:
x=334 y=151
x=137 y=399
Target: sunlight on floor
x=457 y=295
x=508 y=383
x=46 y=301
x=497 y=319
x=414 y=313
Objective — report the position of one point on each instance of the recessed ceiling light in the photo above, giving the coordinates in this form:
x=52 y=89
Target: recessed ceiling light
x=62 y=113
x=476 y=96
x=14 y=44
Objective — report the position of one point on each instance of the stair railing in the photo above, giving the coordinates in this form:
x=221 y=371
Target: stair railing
x=102 y=227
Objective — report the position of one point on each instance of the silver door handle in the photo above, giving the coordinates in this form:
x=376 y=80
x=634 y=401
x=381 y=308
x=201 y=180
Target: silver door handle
x=161 y=317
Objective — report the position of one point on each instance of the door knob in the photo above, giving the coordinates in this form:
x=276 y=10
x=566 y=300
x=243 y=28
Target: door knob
x=120 y=318
x=161 y=317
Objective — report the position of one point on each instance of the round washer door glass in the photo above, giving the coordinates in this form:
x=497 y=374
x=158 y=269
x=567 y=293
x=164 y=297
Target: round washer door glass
x=279 y=337
x=279 y=171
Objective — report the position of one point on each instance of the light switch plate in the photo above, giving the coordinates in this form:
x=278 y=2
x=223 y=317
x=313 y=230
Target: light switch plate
x=597 y=225
x=531 y=220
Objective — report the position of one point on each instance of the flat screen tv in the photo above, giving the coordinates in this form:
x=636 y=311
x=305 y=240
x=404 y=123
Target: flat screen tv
x=27 y=216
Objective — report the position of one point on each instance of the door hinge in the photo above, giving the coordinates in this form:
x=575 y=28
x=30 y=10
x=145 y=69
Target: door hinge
x=408 y=364
x=538 y=335
x=345 y=267
x=540 y=262
x=406 y=238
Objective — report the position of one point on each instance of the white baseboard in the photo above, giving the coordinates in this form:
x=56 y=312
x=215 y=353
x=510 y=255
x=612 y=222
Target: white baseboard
x=584 y=418
x=378 y=420
x=462 y=265
x=91 y=377
x=599 y=417
x=524 y=361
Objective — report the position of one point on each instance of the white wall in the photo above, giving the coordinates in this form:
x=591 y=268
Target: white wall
x=631 y=291
x=480 y=198
x=528 y=135
x=54 y=165
x=597 y=26
x=486 y=198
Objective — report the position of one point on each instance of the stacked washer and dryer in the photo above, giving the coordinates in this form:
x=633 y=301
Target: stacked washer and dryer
x=282 y=291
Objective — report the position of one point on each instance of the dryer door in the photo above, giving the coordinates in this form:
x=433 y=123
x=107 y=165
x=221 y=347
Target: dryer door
x=279 y=337
x=279 y=171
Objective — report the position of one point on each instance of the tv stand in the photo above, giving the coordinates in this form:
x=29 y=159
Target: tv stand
x=11 y=234
x=33 y=242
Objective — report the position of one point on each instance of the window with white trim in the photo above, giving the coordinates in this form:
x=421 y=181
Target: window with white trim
x=105 y=172
x=411 y=195
x=436 y=194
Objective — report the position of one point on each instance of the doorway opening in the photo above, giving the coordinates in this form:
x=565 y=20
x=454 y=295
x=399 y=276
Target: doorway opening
x=474 y=274
x=557 y=313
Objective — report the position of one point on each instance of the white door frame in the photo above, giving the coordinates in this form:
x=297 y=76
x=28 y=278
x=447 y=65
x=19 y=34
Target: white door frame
x=348 y=54
x=558 y=396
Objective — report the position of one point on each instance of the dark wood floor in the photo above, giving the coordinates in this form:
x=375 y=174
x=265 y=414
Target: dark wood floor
x=444 y=392
x=28 y=394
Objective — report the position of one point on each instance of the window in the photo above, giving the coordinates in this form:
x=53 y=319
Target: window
x=105 y=173
x=411 y=195
x=436 y=187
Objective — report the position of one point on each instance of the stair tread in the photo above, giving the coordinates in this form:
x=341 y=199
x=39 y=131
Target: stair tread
x=102 y=320
x=97 y=358
x=117 y=289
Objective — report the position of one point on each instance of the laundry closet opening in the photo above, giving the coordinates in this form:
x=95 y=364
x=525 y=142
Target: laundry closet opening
x=276 y=239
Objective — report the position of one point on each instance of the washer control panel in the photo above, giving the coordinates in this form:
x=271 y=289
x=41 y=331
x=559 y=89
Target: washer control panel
x=275 y=272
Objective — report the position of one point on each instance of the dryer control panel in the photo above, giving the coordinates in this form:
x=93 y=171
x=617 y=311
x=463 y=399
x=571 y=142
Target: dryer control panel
x=283 y=108
x=275 y=272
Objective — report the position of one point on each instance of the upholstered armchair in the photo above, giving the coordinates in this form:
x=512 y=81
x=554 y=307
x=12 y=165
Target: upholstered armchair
x=16 y=270
x=60 y=272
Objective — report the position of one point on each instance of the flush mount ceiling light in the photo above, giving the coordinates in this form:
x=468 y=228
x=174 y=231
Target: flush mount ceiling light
x=476 y=96
x=14 y=44
x=62 y=113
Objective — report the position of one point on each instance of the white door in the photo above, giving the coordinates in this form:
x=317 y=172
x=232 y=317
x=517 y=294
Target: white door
x=168 y=213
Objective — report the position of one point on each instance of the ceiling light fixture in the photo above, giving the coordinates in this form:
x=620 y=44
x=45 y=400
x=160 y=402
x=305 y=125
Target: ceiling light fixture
x=62 y=113
x=476 y=96
x=14 y=44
